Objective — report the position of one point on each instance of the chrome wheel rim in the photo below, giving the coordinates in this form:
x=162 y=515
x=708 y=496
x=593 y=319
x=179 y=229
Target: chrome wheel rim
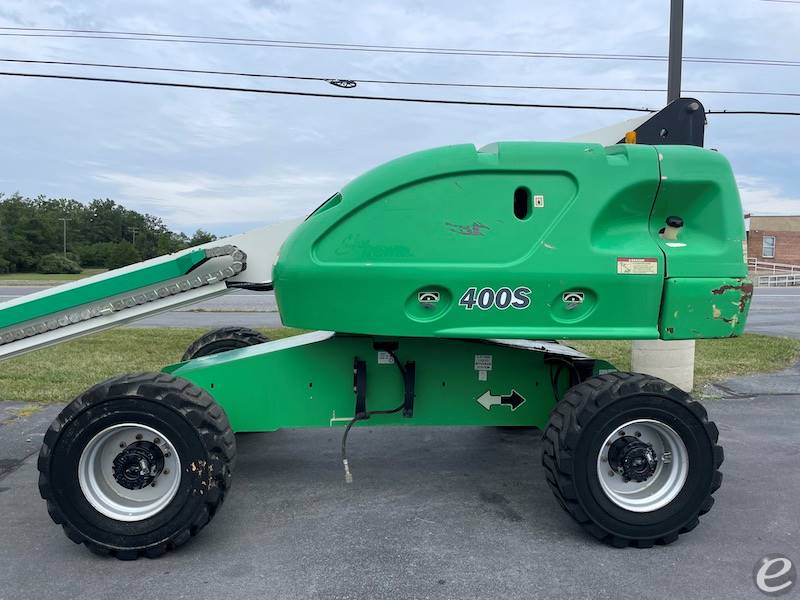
x=112 y=458
x=665 y=480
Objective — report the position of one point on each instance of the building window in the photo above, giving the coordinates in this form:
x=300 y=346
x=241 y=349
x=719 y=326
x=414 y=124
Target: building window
x=768 y=246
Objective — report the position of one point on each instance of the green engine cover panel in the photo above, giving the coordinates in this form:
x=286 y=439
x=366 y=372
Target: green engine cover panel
x=698 y=186
x=513 y=240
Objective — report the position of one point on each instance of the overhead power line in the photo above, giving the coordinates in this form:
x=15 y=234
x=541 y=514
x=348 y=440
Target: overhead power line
x=260 y=42
x=753 y=112
x=338 y=81
x=197 y=86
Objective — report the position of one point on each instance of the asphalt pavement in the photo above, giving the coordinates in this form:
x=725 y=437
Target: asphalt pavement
x=432 y=513
x=773 y=311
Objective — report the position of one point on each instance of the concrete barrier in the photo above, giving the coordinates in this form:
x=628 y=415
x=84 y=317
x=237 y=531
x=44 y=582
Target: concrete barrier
x=672 y=361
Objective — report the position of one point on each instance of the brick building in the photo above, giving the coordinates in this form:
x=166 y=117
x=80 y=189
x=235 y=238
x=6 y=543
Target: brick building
x=774 y=238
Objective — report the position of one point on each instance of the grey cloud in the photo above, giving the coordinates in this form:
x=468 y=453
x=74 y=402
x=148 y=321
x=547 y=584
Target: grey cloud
x=180 y=153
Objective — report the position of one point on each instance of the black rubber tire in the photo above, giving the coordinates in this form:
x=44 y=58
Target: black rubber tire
x=580 y=423
x=222 y=340
x=201 y=436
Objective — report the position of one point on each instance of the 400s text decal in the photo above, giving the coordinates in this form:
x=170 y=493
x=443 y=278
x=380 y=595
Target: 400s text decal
x=502 y=298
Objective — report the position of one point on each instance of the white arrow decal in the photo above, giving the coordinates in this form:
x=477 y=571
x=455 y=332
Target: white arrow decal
x=514 y=400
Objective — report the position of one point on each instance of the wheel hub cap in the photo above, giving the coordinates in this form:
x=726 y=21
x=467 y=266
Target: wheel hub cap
x=642 y=465
x=138 y=465
x=129 y=472
x=632 y=458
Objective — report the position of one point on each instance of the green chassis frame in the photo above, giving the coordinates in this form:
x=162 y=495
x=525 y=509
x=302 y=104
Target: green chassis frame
x=309 y=380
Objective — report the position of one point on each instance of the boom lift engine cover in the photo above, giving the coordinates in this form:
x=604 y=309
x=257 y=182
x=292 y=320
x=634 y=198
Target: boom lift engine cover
x=496 y=238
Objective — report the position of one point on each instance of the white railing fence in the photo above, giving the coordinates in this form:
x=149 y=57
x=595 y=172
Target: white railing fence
x=761 y=266
x=772 y=274
x=780 y=280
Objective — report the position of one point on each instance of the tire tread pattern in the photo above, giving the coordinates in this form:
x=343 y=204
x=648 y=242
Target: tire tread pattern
x=242 y=335
x=579 y=404
x=191 y=402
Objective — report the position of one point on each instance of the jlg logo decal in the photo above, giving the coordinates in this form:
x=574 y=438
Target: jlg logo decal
x=503 y=298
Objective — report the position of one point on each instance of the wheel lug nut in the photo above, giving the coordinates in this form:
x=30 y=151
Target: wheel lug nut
x=122 y=444
x=603 y=459
x=166 y=471
x=139 y=436
x=611 y=473
x=153 y=484
x=621 y=433
x=157 y=440
x=638 y=434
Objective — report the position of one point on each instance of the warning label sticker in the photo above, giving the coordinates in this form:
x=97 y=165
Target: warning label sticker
x=637 y=266
x=483 y=362
x=385 y=358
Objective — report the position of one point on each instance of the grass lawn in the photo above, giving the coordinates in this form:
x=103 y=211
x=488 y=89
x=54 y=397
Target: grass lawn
x=59 y=373
x=714 y=359
x=45 y=277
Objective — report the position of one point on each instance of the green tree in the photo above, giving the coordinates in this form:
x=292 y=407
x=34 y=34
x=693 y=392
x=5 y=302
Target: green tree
x=201 y=236
x=122 y=254
x=31 y=228
x=5 y=265
x=57 y=263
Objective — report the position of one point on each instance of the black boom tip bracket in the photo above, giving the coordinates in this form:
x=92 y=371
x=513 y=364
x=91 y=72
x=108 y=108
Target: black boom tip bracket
x=682 y=121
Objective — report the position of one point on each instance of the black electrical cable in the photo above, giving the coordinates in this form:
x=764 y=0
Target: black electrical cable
x=384 y=98
x=554 y=378
x=198 y=86
x=554 y=381
x=348 y=477
x=251 y=286
x=240 y=41
x=753 y=112
x=570 y=364
x=355 y=48
x=383 y=81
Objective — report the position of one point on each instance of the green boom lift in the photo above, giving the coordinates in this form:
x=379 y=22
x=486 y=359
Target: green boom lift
x=436 y=284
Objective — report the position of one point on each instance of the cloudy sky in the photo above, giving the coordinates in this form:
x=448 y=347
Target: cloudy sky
x=230 y=161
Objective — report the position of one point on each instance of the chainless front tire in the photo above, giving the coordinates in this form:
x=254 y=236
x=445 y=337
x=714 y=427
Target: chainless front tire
x=137 y=465
x=632 y=458
x=223 y=340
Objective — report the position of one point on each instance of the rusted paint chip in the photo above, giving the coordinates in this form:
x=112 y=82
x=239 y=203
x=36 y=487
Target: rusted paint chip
x=746 y=290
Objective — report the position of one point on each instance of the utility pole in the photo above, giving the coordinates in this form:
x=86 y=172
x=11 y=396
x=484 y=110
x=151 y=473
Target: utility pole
x=672 y=360
x=675 y=50
x=64 y=221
